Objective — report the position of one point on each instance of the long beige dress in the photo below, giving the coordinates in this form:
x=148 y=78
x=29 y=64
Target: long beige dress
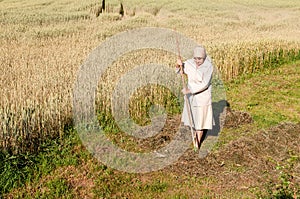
x=199 y=83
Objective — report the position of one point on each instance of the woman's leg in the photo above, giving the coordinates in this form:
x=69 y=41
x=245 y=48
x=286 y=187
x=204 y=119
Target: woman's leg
x=199 y=134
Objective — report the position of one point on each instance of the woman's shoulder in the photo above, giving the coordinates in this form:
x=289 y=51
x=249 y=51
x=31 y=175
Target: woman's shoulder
x=189 y=63
x=207 y=63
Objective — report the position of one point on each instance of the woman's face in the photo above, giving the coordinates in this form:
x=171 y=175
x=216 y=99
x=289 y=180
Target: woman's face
x=199 y=60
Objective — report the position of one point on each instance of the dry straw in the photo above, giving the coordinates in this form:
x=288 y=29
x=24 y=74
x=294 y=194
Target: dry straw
x=40 y=55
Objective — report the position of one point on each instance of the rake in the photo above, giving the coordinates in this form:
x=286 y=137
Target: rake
x=186 y=99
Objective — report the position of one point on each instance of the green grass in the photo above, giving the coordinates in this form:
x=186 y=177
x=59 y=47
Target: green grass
x=270 y=96
x=21 y=169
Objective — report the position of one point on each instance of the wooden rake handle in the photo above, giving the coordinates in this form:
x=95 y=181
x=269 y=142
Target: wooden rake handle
x=186 y=98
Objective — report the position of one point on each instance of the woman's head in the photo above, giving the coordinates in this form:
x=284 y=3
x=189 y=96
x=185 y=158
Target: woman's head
x=199 y=55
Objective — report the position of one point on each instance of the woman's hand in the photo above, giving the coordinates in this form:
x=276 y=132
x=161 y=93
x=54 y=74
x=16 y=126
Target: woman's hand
x=179 y=66
x=179 y=62
x=186 y=91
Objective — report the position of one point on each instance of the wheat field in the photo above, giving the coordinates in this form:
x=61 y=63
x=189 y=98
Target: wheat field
x=44 y=43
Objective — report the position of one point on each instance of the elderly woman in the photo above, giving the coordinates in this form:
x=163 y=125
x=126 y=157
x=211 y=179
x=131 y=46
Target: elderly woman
x=198 y=91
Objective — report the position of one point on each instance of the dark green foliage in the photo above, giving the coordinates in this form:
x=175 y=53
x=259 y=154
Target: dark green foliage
x=16 y=170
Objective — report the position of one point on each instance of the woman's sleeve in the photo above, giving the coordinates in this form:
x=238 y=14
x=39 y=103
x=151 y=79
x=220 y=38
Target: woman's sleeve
x=203 y=80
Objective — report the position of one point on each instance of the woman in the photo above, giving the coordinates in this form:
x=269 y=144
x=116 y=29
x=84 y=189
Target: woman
x=199 y=72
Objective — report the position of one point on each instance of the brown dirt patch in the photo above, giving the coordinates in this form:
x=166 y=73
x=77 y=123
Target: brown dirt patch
x=247 y=162
x=236 y=118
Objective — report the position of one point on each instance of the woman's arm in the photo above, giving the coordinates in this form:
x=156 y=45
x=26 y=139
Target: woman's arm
x=203 y=80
